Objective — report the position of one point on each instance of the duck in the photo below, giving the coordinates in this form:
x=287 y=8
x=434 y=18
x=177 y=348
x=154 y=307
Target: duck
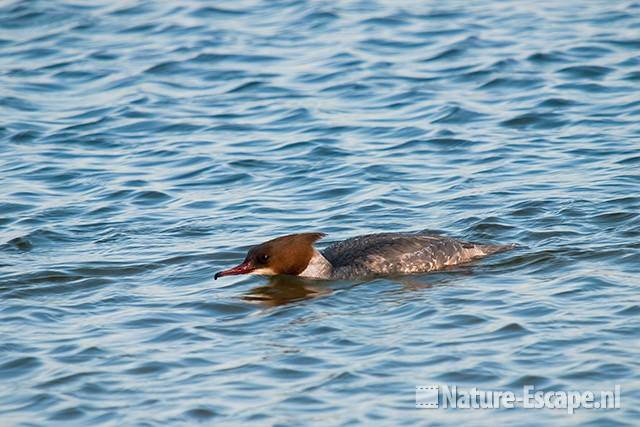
x=360 y=257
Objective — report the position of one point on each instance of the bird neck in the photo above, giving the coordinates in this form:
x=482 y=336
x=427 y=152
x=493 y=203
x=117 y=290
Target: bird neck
x=318 y=268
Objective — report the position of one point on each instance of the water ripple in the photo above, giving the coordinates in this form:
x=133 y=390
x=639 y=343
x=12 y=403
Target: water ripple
x=146 y=145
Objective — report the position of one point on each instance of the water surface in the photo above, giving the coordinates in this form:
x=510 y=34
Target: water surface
x=146 y=145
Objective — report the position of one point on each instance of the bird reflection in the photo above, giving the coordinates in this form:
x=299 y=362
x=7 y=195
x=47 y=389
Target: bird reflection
x=286 y=289
x=283 y=289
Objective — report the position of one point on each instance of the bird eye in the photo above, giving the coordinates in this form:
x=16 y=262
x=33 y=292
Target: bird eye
x=263 y=258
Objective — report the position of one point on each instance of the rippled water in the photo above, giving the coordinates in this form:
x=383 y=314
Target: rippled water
x=146 y=145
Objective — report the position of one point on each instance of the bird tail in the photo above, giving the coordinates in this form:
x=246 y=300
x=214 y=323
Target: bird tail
x=494 y=249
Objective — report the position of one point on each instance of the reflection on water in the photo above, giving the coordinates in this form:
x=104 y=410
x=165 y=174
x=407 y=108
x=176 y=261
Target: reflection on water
x=284 y=289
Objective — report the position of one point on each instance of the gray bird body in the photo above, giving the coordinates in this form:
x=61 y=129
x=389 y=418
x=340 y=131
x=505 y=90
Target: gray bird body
x=400 y=253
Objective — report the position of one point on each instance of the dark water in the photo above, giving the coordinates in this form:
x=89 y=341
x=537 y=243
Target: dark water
x=146 y=145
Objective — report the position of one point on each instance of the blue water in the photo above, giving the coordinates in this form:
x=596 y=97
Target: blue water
x=146 y=145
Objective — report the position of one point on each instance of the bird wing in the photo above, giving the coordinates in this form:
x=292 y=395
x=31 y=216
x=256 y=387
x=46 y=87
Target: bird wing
x=396 y=253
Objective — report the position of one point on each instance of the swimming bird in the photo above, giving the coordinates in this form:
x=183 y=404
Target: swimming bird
x=370 y=255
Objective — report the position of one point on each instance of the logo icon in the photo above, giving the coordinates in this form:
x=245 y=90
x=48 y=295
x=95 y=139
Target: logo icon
x=427 y=396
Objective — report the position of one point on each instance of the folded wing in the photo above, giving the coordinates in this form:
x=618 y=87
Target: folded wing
x=400 y=253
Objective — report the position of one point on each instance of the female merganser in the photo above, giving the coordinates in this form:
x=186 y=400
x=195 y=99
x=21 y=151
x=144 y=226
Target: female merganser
x=359 y=257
